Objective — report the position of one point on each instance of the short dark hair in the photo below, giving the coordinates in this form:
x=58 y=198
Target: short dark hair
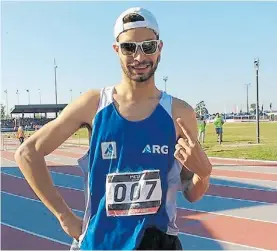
x=133 y=17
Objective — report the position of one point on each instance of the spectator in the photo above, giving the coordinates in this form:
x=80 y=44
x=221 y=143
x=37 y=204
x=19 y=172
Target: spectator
x=20 y=134
x=201 y=130
x=218 y=123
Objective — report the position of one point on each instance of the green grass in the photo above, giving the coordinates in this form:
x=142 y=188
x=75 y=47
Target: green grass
x=239 y=141
x=82 y=133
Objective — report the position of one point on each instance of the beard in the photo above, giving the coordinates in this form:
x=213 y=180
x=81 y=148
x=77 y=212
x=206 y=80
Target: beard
x=139 y=78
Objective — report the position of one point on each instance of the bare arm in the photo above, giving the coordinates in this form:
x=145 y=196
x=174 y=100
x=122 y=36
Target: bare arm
x=30 y=155
x=196 y=167
x=194 y=186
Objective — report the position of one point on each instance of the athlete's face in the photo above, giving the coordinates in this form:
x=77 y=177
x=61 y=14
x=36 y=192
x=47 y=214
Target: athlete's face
x=139 y=63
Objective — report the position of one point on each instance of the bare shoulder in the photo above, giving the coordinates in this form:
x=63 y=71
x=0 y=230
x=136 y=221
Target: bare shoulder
x=83 y=108
x=181 y=109
x=181 y=106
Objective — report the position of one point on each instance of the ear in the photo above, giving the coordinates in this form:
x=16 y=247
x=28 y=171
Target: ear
x=115 y=47
x=159 y=59
x=161 y=45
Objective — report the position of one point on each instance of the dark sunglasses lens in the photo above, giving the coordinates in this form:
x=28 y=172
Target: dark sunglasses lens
x=149 y=47
x=128 y=48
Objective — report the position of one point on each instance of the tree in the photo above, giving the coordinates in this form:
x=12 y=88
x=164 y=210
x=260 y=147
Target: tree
x=253 y=108
x=2 y=111
x=201 y=109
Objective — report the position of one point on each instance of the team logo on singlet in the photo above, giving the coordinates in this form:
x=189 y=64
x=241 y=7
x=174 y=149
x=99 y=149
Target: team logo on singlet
x=137 y=193
x=155 y=149
x=108 y=150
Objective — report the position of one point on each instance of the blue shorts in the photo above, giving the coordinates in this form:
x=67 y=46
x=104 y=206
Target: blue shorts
x=218 y=130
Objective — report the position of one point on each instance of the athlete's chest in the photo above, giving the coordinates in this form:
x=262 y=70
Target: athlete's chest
x=143 y=142
x=151 y=138
x=136 y=111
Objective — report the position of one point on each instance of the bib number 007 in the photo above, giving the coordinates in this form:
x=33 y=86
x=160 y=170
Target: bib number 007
x=135 y=191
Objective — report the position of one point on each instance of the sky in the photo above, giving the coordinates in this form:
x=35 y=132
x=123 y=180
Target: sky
x=208 y=54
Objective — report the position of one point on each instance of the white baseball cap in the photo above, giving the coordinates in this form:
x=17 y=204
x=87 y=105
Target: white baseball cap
x=149 y=21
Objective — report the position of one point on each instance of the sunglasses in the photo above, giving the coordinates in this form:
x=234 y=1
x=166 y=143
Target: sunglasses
x=147 y=47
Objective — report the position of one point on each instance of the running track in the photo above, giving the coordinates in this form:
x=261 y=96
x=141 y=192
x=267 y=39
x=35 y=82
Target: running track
x=239 y=211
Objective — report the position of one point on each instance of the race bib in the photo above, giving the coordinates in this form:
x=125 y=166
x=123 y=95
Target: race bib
x=133 y=193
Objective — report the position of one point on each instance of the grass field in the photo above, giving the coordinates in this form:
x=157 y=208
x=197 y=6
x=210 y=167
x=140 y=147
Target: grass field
x=239 y=141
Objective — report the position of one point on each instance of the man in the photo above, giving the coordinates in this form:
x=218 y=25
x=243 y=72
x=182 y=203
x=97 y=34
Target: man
x=218 y=124
x=143 y=149
x=20 y=134
x=201 y=130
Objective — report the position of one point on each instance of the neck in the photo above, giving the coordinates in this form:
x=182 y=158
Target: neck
x=136 y=91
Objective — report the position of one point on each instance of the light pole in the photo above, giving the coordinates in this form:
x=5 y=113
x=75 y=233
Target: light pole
x=55 y=72
x=71 y=94
x=28 y=95
x=165 y=80
x=247 y=105
x=56 y=93
x=256 y=65
x=17 y=93
x=39 y=96
x=6 y=91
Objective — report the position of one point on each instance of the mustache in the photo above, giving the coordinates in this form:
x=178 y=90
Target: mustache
x=150 y=63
